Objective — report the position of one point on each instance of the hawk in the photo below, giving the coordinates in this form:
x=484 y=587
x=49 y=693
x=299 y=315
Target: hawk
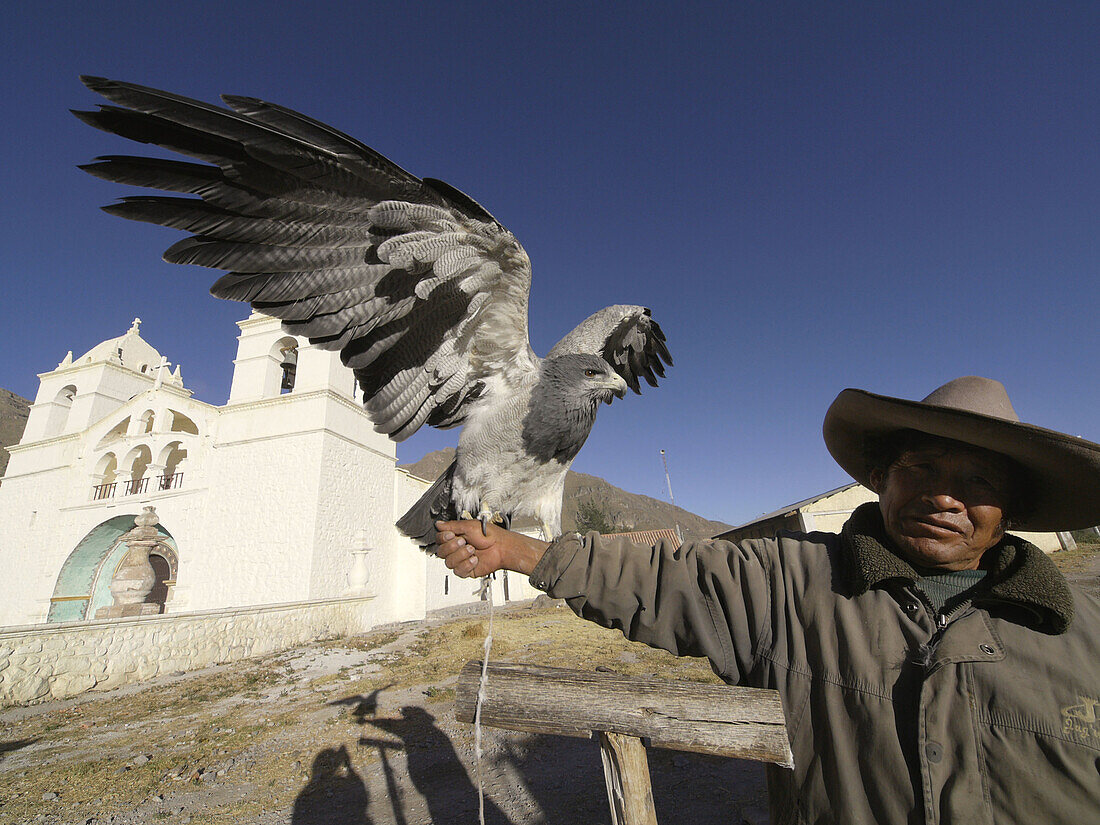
x=421 y=290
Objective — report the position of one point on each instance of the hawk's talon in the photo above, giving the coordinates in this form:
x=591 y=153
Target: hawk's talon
x=485 y=516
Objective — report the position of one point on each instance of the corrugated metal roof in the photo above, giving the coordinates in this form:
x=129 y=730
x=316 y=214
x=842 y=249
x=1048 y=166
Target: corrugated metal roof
x=791 y=508
x=649 y=537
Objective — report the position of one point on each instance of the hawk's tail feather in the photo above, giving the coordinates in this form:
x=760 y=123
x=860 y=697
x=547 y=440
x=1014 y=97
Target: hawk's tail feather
x=435 y=505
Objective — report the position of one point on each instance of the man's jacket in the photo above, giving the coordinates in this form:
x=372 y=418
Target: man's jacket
x=988 y=713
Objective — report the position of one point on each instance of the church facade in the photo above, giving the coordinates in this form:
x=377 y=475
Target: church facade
x=283 y=494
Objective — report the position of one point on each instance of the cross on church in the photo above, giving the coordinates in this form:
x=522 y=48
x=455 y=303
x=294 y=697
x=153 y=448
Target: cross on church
x=160 y=368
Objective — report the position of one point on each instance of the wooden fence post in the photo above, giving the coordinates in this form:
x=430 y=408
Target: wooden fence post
x=626 y=774
x=627 y=713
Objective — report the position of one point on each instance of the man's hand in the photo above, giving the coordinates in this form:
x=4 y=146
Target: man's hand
x=472 y=553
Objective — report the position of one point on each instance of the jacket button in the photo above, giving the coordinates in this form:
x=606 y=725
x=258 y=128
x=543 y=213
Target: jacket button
x=913 y=607
x=988 y=650
x=933 y=751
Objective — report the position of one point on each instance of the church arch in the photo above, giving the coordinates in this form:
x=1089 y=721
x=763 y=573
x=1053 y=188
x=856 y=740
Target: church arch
x=106 y=468
x=147 y=419
x=105 y=477
x=172 y=458
x=60 y=408
x=116 y=432
x=83 y=584
x=137 y=461
x=182 y=424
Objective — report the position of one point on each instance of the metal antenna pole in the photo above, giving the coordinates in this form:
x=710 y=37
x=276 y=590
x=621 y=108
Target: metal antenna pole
x=668 y=481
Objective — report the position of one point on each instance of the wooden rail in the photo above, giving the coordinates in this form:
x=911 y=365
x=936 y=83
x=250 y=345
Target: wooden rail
x=626 y=713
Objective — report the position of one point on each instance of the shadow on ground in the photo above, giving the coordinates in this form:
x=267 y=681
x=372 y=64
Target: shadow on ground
x=14 y=745
x=423 y=778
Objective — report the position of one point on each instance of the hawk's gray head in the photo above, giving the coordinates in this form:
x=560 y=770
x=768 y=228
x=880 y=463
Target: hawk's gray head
x=563 y=404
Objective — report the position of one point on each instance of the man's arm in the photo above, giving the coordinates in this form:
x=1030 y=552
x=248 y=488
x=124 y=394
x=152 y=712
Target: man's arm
x=471 y=553
x=708 y=599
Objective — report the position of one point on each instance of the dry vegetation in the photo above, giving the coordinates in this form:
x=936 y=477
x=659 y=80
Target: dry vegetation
x=229 y=744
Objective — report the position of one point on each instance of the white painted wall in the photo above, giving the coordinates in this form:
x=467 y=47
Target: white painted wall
x=279 y=487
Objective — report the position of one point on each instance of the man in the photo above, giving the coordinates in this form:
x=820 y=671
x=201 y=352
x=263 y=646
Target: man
x=933 y=668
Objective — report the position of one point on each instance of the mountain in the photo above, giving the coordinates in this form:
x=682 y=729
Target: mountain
x=627 y=511
x=13 y=418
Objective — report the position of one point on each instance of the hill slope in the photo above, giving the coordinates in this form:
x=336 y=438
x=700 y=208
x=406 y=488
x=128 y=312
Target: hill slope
x=13 y=418
x=627 y=511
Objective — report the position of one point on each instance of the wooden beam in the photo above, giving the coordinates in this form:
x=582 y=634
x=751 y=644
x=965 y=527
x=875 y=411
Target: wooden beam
x=724 y=720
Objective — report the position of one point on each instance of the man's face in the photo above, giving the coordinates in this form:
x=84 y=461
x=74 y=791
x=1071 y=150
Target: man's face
x=944 y=503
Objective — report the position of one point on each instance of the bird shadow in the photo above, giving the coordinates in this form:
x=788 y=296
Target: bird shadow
x=14 y=745
x=434 y=768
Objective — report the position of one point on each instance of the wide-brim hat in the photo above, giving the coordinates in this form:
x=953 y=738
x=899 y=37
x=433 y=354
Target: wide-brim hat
x=1063 y=485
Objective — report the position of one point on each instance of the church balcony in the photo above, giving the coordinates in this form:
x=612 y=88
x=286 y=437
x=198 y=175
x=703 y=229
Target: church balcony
x=170 y=482
x=136 y=485
x=101 y=492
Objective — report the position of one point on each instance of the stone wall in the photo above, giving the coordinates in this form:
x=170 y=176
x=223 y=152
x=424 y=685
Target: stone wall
x=58 y=661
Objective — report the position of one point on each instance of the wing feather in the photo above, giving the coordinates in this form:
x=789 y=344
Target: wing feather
x=423 y=292
x=626 y=337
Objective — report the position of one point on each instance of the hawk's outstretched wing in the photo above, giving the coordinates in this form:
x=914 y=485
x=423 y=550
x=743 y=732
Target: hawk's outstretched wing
x=421 y=290
x=626 y=337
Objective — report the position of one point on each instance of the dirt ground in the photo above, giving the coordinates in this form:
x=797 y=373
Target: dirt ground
x=358 y=731
x=348 y=732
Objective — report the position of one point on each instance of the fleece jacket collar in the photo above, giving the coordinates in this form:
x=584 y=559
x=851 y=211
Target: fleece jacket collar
x=1020 y=574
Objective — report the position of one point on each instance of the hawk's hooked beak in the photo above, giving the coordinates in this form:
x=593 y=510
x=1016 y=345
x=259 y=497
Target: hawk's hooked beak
x=617 y=386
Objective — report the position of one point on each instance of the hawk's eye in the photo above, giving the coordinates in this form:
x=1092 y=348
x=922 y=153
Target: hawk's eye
x=591 y=373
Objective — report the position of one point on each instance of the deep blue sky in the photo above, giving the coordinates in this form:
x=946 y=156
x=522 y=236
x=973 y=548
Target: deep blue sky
x=809 y=196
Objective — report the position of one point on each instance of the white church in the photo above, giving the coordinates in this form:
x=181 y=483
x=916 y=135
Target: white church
x=284 y=495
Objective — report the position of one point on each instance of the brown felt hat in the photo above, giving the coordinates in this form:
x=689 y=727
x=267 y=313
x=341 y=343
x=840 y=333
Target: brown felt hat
x=1063 y=470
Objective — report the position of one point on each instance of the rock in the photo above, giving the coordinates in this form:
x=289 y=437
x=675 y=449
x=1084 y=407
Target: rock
x=141 y=759
x=50 y=796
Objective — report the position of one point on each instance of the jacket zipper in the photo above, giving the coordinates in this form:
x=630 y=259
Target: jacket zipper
x=944 y=619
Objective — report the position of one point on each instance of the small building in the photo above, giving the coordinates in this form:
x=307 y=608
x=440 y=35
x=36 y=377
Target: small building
x=828 y=511
x=267 y=499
